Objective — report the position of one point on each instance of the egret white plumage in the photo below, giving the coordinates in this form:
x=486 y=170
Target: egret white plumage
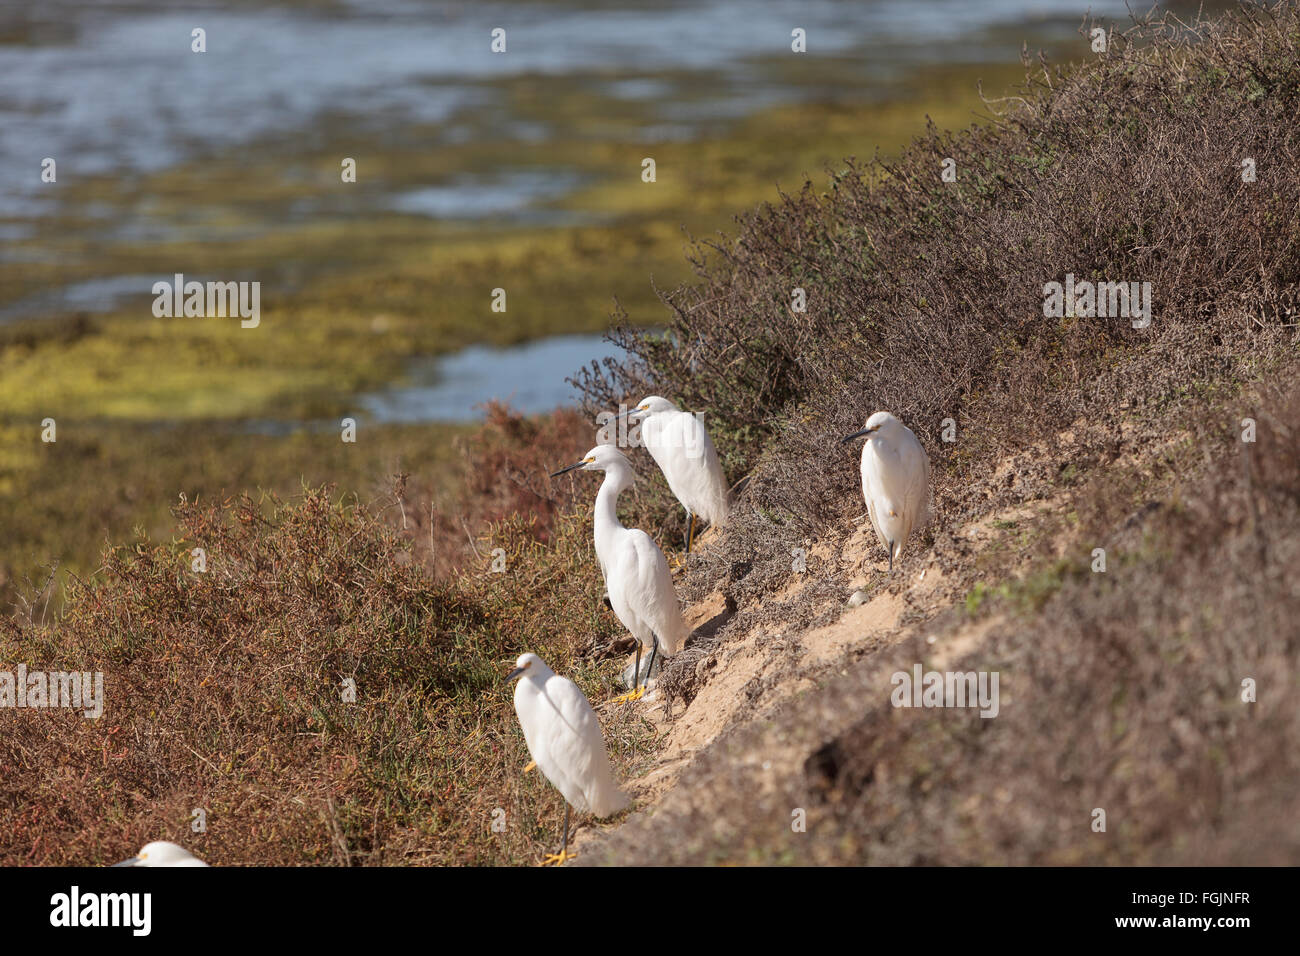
x=637 y=578
x=564 y=739
x=682 y=448
x=895 y=481
x=162 y=853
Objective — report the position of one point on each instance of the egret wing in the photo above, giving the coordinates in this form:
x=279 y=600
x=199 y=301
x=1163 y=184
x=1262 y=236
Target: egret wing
x=580 y=748
x=547 y=734
x=652 y=594
x=681 y=446
x=919 y=495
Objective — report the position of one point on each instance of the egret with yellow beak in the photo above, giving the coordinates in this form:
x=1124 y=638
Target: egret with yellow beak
x=564 y=739
x=680 y=445
x=162 y=853
x=637 y=578
x=895 y=481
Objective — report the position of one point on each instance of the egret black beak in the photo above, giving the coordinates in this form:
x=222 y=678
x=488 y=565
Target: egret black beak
x=128 y=862
x=565 y=471
x=858 y=434
x=513 y=674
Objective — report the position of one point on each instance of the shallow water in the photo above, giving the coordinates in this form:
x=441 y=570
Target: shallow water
x=509 y=193
x=111 y=88
x=530 y=377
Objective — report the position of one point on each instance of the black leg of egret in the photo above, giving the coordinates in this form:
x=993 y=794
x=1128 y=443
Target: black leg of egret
x=891 y=557
x=564 y=847
x=654 y=649
x=690 y=533
x=636 y=672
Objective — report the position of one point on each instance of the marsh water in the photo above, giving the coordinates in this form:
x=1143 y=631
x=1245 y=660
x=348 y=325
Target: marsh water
x=160 y=148
x=530 y=377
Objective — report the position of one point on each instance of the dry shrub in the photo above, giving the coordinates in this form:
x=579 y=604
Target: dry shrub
x=223 y=691
x=502 y=472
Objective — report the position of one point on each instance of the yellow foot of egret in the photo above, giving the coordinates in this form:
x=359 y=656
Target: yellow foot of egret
x=557 y=859
x=633 y=695
x=532 y=765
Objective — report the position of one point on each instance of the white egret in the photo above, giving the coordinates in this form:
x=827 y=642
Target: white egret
x=895 y=481
x=564 y=739
x=162 y=853
x=637 y=578
x=682 y=448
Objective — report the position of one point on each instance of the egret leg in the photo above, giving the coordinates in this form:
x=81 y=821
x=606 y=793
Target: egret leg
x=654 y=649
x=564 y=854
x=677 y=560
x=635 y=692
x=891 y=557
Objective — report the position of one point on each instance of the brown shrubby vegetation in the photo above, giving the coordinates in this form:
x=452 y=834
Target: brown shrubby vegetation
x=502 y=473
x=224 y=691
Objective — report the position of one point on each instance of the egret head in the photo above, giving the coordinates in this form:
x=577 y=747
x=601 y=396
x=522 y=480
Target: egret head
x=650 y=405
x=527 y=664
x=162 y=853
x=878 y=423
x=600 y=458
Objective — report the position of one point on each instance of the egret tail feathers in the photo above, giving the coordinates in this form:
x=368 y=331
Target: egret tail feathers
x=608 y=800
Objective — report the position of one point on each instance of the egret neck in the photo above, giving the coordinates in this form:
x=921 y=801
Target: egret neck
x=618 y=475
